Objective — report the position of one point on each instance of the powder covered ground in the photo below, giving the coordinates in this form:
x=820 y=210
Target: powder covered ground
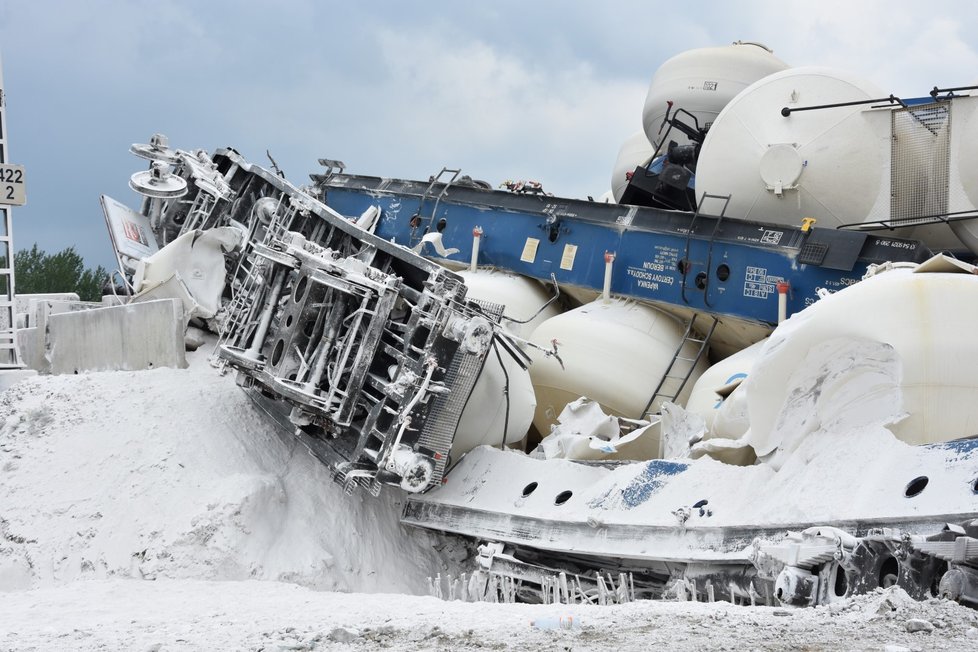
x=194 y=615
x=157 y=510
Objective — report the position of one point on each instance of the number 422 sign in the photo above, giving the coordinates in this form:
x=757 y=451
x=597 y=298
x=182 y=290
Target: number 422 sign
x=12 y=191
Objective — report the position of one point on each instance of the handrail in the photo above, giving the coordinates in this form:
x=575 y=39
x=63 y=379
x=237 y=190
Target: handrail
x=892 y=99
x=907 y=222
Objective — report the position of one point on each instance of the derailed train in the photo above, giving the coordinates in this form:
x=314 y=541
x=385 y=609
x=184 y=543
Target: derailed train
x=831 y=456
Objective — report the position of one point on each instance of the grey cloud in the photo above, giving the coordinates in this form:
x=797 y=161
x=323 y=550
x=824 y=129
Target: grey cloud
x=544 y=90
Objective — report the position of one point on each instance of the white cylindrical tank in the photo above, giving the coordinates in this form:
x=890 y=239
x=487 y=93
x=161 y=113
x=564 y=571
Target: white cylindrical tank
x=944 y=237
x=614 y=353
x=521 y=296
x=499 y=409
x=920 y=325
x=825 y=163
x=702 y=81
x=635 y=151
x=709 y=396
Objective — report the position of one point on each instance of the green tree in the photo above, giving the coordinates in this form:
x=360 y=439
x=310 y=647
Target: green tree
x=37 y=272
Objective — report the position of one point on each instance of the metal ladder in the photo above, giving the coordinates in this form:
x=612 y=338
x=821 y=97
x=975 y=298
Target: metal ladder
x=250 y=268
x=686 y=263
x=416 y=219
x=689 y=337
x=9 y=353
x=199 y=211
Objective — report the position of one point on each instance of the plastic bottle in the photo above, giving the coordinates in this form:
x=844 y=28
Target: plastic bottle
x=565 y=621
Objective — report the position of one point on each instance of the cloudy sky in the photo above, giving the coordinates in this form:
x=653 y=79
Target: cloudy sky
x=543 y=90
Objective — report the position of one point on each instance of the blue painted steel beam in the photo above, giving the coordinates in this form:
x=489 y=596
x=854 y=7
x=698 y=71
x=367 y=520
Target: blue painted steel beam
x=733 y=267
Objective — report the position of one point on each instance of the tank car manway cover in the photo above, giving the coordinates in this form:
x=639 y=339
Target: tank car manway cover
x=780 y=167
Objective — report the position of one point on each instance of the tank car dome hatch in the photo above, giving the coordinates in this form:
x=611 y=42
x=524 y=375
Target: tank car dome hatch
x=635 y=151
x=703 y=81
x=827 y=163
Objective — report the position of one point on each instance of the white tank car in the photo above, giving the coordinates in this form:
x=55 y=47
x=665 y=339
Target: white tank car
x=702 y=81
x=828 y=163
x=897 y=334
x=521 y=296
x=502 y=388
x=499 y=409
x=635 y=151
x=844 y=164
x=715 y=394
x=614 y=353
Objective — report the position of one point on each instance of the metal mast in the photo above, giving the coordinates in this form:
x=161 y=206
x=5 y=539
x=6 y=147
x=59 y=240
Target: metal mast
x=9 y=354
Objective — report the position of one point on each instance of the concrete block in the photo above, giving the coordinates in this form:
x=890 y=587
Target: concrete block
x=10 y=377
x=31 y=347
x=25 y=306
x=23 y=301
x=135 y=336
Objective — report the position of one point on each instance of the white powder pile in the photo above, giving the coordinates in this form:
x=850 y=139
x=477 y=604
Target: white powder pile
x=175 y=473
